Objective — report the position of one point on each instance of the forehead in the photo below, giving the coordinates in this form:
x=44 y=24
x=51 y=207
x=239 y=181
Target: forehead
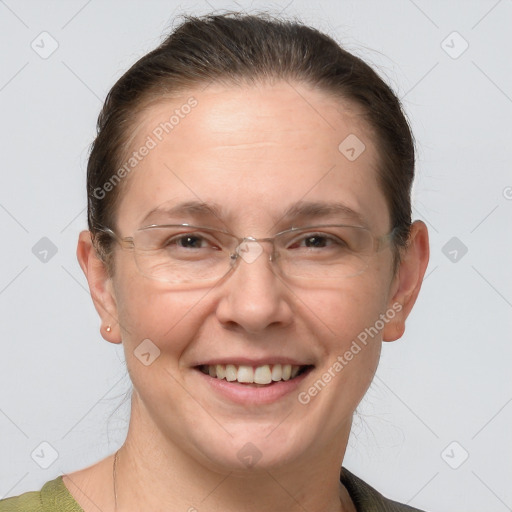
x=252 y=152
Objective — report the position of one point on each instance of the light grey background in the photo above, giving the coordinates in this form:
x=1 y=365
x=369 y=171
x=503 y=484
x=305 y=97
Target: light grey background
x=447 y=380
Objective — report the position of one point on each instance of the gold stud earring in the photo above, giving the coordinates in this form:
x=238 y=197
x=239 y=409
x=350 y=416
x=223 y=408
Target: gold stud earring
x=108 y=329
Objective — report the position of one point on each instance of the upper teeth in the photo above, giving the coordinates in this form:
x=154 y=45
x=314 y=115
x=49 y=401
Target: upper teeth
x=252 y=375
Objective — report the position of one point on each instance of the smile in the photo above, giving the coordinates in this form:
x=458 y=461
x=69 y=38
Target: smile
x=261 y=375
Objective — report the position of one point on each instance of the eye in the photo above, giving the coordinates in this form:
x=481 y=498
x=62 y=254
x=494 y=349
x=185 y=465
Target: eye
x=190 y=241
x=317 y=241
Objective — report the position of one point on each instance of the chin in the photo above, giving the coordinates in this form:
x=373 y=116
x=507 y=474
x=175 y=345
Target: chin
x=252 y=448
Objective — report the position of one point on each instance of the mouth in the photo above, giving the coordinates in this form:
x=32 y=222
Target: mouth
x=256 y=376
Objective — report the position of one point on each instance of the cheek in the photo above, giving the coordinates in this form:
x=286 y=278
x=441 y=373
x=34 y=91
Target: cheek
x=339 y=315
x=149 y=310
x=346 y=325
x=339 y=321
x=170 y=321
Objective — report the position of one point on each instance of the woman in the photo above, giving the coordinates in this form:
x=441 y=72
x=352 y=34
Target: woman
x=250 y=244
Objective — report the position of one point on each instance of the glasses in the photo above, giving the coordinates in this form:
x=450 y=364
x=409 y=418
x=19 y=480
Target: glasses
x=185 y=254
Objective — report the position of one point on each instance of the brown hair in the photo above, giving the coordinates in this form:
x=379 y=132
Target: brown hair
x=235 y=48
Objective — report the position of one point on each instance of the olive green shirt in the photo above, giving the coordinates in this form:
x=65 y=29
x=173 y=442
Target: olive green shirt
x=55 y=497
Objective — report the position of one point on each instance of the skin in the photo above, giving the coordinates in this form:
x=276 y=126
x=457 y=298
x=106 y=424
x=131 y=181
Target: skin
x=254 y=151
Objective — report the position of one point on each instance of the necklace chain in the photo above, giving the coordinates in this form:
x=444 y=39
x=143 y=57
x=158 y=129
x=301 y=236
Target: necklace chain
x=114 y=478
x=114 y=475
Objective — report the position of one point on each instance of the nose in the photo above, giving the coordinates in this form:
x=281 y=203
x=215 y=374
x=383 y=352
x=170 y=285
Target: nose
x=254 y=297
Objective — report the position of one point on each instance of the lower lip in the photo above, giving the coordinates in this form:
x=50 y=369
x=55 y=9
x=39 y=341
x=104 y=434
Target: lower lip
x=247 y=394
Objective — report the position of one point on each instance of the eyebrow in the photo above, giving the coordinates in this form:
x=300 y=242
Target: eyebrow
x=317 y=209
x=193 y=208
x=303 y=210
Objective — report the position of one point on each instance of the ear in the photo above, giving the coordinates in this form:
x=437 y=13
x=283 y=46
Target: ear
x=100 y=286
x=407 y=283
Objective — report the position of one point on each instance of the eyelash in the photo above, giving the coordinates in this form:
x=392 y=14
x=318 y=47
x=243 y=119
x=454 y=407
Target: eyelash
x=177 y=240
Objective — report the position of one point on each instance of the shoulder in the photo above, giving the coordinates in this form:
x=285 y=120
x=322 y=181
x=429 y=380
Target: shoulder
x=367 y=499
x=53 y=497
x=27 y=502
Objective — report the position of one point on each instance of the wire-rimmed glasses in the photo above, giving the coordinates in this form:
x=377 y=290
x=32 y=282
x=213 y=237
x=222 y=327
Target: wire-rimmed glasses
x=187 y=254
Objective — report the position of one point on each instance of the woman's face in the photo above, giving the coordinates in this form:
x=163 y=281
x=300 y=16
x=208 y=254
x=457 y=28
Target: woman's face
x=254 y=159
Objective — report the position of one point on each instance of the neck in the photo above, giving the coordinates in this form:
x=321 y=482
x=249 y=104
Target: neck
x=152 y=473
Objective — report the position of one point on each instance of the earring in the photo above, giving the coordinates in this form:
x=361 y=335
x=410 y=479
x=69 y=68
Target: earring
x=108 y=329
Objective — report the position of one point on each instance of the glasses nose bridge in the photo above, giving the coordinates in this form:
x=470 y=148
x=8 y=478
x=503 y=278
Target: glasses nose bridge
x=250 y=249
